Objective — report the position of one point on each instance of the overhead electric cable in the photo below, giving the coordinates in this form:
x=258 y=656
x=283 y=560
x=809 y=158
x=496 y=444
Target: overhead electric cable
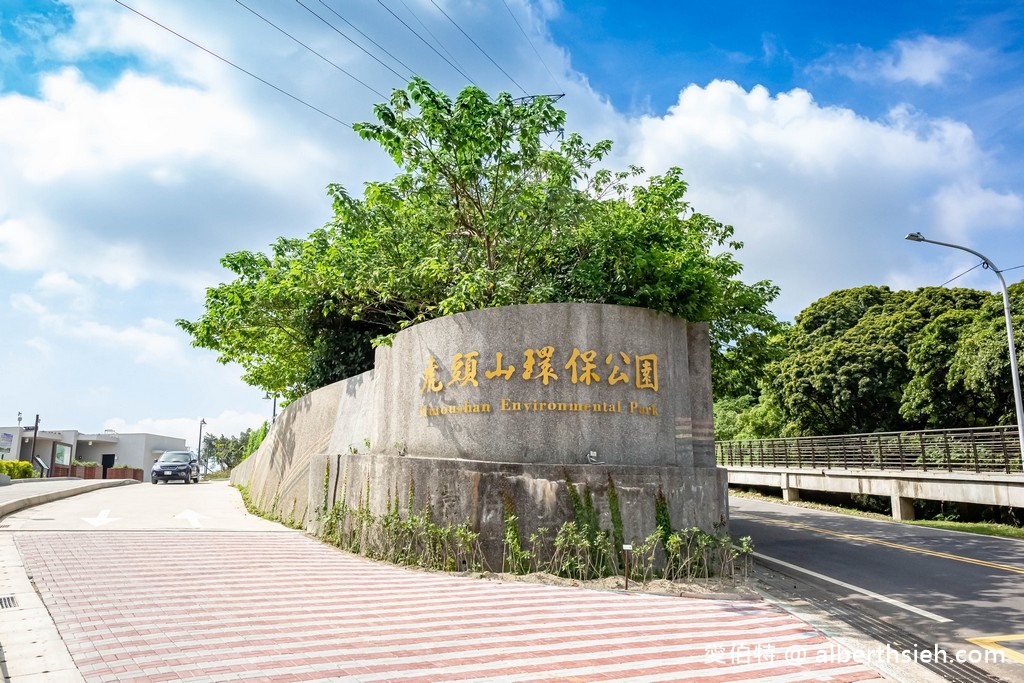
x=429 y=32
x=981 y=263
x=558 y=86
x=232 y=64
x=368 y=87
x=475 y=44
x=461 y=72
x=378 y=45
x=342 y=34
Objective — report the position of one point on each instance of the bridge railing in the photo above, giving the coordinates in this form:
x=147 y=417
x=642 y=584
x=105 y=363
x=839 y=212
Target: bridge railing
x=979 y=449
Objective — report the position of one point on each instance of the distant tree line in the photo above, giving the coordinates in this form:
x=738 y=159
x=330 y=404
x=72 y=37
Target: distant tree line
x=226 y=452
x=871 y=359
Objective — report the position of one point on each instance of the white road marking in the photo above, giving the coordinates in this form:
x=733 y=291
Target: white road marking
x=892 y=601
x=101 y=519
x=192 y=517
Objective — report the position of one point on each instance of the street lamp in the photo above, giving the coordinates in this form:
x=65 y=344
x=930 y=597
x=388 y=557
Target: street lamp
x=199 y=451
x=918 y=237
x=273 y=416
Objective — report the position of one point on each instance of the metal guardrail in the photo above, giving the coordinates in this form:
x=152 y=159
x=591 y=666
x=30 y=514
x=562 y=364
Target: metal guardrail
x=980 y=449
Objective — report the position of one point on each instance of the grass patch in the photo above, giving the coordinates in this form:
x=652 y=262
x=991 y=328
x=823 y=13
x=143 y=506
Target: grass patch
x=986 y=528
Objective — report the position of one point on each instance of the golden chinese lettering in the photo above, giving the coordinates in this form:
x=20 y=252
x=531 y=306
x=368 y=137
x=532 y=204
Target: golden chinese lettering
x=545 y=373
x=504 y=373
x=430 y=381
x=585 y=373
x=647 y=372
x=617 y=375
x=464 y=369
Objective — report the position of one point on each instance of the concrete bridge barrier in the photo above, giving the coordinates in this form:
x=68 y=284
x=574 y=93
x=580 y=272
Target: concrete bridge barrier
x=903 y=487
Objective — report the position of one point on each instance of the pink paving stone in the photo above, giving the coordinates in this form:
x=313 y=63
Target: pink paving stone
x=412 y=607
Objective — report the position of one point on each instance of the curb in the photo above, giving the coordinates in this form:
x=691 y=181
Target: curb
x=12 y=506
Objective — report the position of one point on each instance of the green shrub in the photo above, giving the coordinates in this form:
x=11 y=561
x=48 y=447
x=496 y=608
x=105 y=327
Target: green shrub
x=17 y=469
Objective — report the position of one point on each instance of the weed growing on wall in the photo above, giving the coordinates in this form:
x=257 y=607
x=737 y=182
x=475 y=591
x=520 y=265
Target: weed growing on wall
x=411 y=539
x=580 y=549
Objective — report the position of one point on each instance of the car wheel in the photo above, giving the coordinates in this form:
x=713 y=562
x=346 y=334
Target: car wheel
x=155 y=480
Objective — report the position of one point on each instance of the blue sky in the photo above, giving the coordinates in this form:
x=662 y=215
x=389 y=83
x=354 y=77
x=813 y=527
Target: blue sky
x=133 y=160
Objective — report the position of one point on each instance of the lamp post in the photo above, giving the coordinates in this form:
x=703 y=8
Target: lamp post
x=273 y=415
x=918 y=237
x=199 y=451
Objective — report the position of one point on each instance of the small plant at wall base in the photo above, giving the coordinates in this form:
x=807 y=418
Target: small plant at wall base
x=577 y=551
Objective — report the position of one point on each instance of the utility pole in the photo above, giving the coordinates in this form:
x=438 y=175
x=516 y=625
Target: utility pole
x=35 y=433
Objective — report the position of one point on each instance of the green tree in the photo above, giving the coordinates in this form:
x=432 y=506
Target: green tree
x=493 y=205
x=870 y=359
x=981 y=364
x=226 y=451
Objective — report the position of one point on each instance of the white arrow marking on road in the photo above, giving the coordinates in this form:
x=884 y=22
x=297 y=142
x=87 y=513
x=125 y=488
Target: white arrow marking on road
x=192 y=517
x=101 y=519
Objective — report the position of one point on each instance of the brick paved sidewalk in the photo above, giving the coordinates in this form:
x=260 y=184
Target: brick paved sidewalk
x=224 y=606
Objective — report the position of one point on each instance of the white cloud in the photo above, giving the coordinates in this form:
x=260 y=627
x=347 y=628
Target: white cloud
x=227 y=423
x=961 y=208
x=924 y=61
x=153 y=341
x=75 y=129
x=60 y=286
x=21 y=246
x=822 y=197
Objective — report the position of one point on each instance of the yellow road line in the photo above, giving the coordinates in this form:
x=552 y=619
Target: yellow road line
x=890 y=544
x=992 y=643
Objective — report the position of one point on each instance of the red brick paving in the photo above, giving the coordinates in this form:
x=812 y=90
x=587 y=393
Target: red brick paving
x=227 y=606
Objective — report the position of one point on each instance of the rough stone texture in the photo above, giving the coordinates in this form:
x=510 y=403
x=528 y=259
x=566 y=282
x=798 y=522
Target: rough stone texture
x=385 y=429
x=278 y=474
x=664 y=422
x=460 y=491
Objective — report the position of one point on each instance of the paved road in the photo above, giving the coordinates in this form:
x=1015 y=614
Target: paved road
x=158 y=583
x=946 y=585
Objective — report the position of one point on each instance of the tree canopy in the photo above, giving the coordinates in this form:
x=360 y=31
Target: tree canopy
x=225 y=452
x=870 y=359
x=493 y=204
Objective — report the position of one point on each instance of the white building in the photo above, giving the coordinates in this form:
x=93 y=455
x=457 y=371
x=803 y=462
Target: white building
x=61 y=447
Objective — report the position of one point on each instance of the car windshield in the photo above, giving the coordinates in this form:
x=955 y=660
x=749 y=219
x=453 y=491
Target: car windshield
x=176 y=457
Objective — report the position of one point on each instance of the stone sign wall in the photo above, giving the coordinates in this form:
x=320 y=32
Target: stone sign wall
x=551 y=383
x=479 y=414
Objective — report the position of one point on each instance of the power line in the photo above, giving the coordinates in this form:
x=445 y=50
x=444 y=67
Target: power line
x=507 y=75
x=378 y=45
x=461 y=72
x=1004 y=270
x=232 y=64
x=368 y=87
x=429 y=32
x=558 y=86
x=961 y=274
x=342 y=34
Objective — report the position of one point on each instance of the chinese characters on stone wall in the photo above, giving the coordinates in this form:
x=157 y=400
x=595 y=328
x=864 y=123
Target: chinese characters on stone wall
x=544 y=366
x=540 y=365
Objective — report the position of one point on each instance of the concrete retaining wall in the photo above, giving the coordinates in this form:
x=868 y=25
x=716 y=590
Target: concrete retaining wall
x=477 y=492
x=333 y=418
x=512 y=400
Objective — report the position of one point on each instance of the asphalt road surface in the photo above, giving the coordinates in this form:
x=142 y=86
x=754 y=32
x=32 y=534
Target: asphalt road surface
x=951 y=588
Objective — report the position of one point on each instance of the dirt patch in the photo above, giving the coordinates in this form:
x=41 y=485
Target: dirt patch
x=717 y=589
